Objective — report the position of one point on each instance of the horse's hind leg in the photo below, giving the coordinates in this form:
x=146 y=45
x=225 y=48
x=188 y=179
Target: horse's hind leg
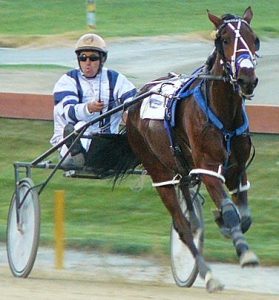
x=160 y=173
x=183 y=227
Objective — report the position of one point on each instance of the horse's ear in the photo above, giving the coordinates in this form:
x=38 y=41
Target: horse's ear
x=215 y=20
x=248 y=15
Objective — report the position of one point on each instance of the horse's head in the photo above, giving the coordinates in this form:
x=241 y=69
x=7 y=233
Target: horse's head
x=236 y=44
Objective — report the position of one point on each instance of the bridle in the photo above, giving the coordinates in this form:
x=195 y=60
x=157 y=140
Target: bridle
x=246 y=58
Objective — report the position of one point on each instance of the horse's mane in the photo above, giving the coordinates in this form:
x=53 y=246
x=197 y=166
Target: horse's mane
x=226 y=17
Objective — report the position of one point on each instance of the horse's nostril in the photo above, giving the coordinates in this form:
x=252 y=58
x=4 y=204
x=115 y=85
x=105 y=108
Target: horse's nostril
x=241 y=81
x=256 y=82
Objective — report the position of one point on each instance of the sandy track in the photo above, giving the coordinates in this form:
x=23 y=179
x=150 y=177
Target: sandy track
x=93 y=275
x=77 y=286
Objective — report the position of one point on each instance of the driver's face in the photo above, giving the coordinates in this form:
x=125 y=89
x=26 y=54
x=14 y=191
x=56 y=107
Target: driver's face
x=89 y=62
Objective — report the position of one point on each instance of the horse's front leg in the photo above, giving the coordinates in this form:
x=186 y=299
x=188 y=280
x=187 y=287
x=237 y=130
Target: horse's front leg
x=231 y=219
x=240 y=198
x=236 y=179
x=238 y=189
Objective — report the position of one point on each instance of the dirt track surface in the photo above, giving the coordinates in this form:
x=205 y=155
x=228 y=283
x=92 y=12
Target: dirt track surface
x=62 y=285
x=89 y=275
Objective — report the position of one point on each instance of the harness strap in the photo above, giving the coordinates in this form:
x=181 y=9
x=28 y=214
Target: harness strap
x=238 y=36
x=176 y=179
x=209 y=172
x=228 y=135
x=169 y=123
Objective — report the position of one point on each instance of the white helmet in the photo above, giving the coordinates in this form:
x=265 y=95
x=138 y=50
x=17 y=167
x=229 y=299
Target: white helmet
x=91 y=41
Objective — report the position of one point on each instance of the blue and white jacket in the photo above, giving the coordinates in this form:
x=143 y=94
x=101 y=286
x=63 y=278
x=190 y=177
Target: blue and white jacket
x=73 y=91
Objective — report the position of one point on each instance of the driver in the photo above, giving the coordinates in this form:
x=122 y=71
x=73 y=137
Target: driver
x=83 y=94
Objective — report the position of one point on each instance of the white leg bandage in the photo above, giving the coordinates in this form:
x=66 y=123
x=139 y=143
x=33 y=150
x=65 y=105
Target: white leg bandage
x=209 y=172
x=241 y=188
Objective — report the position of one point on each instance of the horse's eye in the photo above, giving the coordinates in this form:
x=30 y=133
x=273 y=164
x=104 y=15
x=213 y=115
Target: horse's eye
x=225 y=42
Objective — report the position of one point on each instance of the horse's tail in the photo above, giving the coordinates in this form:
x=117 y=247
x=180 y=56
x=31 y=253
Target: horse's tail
x=112 y=156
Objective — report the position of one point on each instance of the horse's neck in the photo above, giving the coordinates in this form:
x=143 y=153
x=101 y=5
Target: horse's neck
x=224 y=101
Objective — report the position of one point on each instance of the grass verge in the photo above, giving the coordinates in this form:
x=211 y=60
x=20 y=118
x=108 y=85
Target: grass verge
x=28 y=21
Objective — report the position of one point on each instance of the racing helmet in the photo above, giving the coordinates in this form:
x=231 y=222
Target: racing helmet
x=91 y=41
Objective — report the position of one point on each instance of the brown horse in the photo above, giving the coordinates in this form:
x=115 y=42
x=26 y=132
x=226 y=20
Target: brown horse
x=209 y=138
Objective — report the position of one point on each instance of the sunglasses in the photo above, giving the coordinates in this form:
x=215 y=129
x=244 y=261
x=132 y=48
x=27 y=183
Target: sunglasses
x=83 y=57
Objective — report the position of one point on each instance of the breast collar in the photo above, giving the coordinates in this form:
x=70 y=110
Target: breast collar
x=215 y=120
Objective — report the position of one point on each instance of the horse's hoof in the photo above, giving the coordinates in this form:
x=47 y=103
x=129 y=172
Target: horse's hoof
x=214 y=285
x=248 y=259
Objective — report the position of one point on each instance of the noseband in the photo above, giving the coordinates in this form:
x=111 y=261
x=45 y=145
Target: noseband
x=246 y=59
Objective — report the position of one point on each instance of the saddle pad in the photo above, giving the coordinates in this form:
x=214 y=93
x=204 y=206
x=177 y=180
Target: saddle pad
x=153 y=107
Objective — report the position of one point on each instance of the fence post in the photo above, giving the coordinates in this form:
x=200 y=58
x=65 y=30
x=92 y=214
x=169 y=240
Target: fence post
x=59 y=228
x=91 y=14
